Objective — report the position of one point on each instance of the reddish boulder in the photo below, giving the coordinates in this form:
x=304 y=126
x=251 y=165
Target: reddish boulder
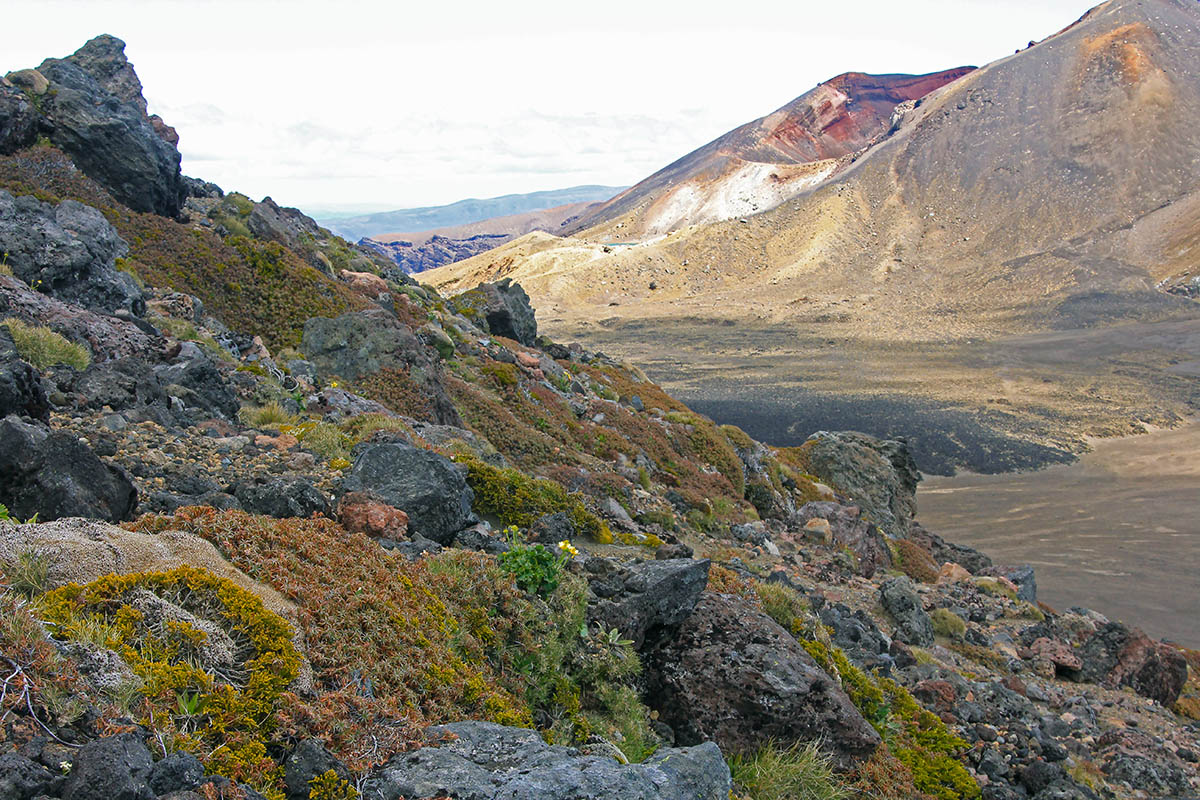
x=1052 y=657
x=361 y=513
x=1117 y=655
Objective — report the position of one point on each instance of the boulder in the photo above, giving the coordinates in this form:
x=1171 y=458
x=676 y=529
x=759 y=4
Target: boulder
x=732 y=675
x=649 y=598
x=18 y=120
x=1021 y=576
x=200 y=385
x=282 y=498
x=942 y=551
x=112 y=768
x=485 y=761
x=1118 y=655
x=855 y=633
x=24 y=779
x=900 y=599
x=95 y=113
x=68 y=251
x=502 y=309
x=880 y=475
x=361 y=513
x=53 y=475
x=848 y=529
x=21 y=391
x=309 y=760
x=106 y=336
x=428 y=487
x=177 y=772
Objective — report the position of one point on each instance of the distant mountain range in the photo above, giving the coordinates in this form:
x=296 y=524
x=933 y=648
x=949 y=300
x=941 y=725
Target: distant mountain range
x=463 y=212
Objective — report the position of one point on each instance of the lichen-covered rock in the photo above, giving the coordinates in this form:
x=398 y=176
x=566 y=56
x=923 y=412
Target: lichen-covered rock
x=879 y=474
x=848 y=529
x=1118 y=655
x=94 y=111
x=485 y=761
x=282 y=498
x=18 y=119
x=732 y=675
x=68 y=251
x=503 y=308
x=900 y=599
x=644 y=600
x=53 y=475
x=428 y=487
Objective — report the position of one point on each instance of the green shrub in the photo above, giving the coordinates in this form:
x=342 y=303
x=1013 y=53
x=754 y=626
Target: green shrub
x=536 y=569
x=517 y=499
x=272 y=415
x=947 y=623
x=797 y=772
x=44 y=348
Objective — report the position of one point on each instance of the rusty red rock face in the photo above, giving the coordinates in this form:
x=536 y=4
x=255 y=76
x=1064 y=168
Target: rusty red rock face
x=361 y=513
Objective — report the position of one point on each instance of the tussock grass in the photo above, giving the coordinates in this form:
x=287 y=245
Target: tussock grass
x=797 y=772
x=44 y=348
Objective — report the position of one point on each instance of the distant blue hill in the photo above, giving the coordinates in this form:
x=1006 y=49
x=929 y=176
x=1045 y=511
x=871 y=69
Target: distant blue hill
x=408 y=220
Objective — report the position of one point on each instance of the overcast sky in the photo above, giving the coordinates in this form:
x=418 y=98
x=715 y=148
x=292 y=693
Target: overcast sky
x=396 y=104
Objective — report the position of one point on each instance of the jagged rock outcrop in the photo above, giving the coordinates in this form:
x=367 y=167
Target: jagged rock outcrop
x=429 y=488
x=900 y=599
x=848 y=529
x=879 y=474
x=644 y=600
x=732 y=675
x=485 y=761
x=502 y=309
x=68 y=251
x=94 y=111
x=18 y=119
x=1118 y=655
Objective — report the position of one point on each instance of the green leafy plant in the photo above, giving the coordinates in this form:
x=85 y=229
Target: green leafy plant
x=536 y=569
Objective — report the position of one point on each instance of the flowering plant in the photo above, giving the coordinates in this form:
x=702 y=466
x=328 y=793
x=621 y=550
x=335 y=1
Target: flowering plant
x=536 y=569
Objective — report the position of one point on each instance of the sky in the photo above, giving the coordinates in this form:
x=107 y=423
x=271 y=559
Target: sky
x=357 y=104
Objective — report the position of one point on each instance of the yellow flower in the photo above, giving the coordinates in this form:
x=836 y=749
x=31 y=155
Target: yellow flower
x=568 y=548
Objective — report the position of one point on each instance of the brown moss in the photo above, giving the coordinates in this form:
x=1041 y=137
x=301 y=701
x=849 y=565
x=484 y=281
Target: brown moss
x=396 y=390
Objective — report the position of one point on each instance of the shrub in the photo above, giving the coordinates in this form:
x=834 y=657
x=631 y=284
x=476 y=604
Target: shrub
x=223 y=711
x=272 y=415
x=517 y=499
x=44 y=348
x=947 y=623
x=796 y=772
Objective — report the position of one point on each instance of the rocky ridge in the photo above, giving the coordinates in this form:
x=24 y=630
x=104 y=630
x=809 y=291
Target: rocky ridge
x=372 y=546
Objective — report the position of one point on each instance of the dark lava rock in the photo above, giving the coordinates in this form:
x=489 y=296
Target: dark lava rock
x=23 y=779
x=177 y=772
x=21 y=390
x=107 y=134
x=489 y=762
x=1021 y=575
x=113 y=768
x=732 y=675
x=653 y=596
x=856 y=634
x=124 y=384
x=426 y=486
x=54 y=475
x=851 y=531
x=879 y=474
x=106 y=336
x=900 y=599
x=282 y=498
x=502 y=308
x=552 y=528
x=309 y=760
x=68 y=251
x=18 y=120
x=364 y=342
x=1118 y=655
x=1147 y=774
x=200 y=385
x=942 y=551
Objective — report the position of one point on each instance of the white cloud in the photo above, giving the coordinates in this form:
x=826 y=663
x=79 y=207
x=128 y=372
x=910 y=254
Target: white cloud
x=399 y=104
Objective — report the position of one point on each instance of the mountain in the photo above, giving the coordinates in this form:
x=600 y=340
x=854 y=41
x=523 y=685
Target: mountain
x=279 y=522
x=417 y=252
x=761 y=164
x=977 y=269
x=463 y=212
